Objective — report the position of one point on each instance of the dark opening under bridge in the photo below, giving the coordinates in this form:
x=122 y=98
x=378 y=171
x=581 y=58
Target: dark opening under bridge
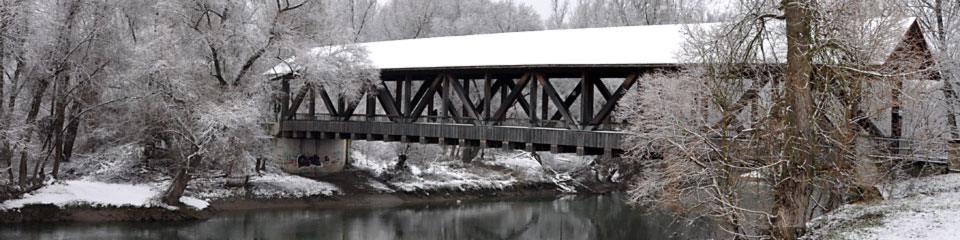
x=498 y=90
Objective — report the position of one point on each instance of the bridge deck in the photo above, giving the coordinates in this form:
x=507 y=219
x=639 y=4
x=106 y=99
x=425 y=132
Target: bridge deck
x=507 y=137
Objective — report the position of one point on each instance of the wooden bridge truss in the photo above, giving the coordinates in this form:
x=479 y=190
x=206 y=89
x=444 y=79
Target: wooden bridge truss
x=472 y=108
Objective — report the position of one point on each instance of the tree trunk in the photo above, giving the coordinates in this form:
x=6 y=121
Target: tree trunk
x=401 y=162
x=790 y=196
x=945 y=73
x=23 y=169
x=180 y=181
x=467 y=154
x=58 y=138
x=72 y=129
x=6 y=156
x=173 y=194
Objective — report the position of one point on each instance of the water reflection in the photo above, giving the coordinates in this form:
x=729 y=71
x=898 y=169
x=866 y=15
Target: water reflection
x=583 y=217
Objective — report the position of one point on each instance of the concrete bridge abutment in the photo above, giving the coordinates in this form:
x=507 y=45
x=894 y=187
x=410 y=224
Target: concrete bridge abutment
x=311 y=157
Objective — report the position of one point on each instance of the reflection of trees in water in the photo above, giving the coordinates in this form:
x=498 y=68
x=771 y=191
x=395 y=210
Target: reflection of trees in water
x=592 y=217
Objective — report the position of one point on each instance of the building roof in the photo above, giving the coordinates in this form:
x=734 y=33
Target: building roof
x=633 y=46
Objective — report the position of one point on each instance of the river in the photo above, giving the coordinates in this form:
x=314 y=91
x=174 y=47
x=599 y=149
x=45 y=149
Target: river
x=570 y=217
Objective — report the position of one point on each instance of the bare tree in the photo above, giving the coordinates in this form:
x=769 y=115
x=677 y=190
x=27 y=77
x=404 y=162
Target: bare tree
x=559 y=14
x=784 y=124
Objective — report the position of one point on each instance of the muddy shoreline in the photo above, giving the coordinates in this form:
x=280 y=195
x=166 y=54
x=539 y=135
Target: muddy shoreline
x=350 y=198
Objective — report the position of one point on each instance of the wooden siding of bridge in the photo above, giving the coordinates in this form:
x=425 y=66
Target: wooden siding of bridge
x=528 y=138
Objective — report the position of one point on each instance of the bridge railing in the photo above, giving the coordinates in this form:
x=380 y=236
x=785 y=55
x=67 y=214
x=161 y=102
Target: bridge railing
x=510 y=122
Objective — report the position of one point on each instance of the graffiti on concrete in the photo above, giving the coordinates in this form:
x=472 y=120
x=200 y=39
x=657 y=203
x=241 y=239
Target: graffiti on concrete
x=323 y=162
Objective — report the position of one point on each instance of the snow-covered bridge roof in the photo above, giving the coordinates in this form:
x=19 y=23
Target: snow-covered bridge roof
x=634 y=46
x=637 y=45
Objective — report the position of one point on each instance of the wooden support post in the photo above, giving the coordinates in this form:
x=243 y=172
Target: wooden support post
x=586 y=98
x=514 y=97
x=297 y=101
x=487 y=95
x=896 y=121
x=445 y=99
x=567 y=102
x=406 y=101
x=464 y=95
x=341 y=105
x=504 y=91
x=332 y=110
x=312 y=104
x=532 y=111
x=284 y=98
x=544 y=102
x=549 y=90
x=602 y=88
x=426 y=100
x=371 y=106
x=417 y=98
x=399 y=93
x=612 y=102
x=467 y=105
x=386 y=101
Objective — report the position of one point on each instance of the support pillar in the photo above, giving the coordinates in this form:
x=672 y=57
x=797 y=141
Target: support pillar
x=586 y=98
x=371 y=107
x=487 y=95
x=445 y=99
x=312 y=104
x=896 y=121
x=284 y=98
x=532 y=112
x=407 y=105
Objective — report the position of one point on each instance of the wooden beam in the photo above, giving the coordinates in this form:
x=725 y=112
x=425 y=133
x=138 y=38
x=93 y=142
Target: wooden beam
x=549 y=90
x=730 y=114
x=445 y=99
x=371 y=106
x=284 y=98
x=326 y=101
x=415 y=100
x=398 y=88
x=465 y=98
x=515 y=92
x=301 y=94
x=567 y=102
x=614 y=99
x=386 y=101
x=532 y=111
x=586 y=101
x=544 y=103
x=487 y=95
x=426 y=99
x=407 y=104
x=602 y=88
x=351 y=108
x=523 y=102
x=312 y=104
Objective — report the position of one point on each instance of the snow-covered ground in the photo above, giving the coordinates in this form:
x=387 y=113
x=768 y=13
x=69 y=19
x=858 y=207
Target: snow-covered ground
x=116 y=178
x=79 y=192
x=921 y=208
x=497 y=171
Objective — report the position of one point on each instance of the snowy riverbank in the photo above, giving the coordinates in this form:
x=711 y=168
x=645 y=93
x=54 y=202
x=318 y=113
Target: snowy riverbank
x=112 y=184
x=920 y=208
